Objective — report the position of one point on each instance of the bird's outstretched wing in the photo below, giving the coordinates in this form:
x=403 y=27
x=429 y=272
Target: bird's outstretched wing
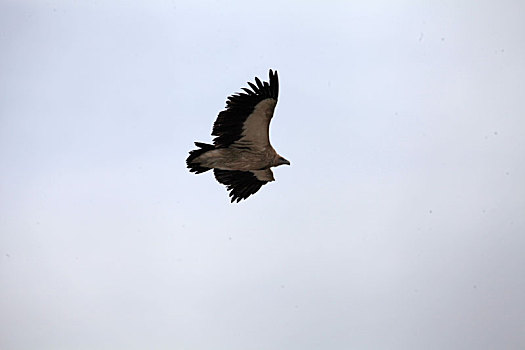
x=246 y=119
x=243 y=184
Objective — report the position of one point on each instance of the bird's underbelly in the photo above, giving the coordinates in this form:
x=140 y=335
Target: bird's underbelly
x=232 y=159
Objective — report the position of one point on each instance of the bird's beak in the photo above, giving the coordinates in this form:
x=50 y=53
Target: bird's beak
x=286 y=161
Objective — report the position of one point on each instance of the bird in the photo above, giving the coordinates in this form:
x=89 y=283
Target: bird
x=241 y=155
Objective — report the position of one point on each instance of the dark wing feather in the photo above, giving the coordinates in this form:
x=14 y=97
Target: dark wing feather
x=228 y=126
x=241 y=184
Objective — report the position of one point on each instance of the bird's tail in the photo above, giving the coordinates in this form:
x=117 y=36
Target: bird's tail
x=194 y=166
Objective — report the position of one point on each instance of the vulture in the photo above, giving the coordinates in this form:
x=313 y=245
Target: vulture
x=241 y=155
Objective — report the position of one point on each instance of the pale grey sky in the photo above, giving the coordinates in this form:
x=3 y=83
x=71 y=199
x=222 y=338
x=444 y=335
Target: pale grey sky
x=399 y=225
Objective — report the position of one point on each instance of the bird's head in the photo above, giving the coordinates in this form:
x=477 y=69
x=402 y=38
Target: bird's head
x=281 y=160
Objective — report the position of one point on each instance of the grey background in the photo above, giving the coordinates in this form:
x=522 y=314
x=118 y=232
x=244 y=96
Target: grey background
x=399 y=225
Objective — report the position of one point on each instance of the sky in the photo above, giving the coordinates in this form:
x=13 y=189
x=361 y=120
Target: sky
x=400 y=223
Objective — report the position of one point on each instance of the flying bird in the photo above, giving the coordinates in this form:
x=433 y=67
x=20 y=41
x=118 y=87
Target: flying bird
x=241 y=155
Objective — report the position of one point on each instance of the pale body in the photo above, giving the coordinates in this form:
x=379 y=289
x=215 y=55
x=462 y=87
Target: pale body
x=253 y=151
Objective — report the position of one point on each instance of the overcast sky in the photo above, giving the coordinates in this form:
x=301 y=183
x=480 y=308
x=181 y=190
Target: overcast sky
x=400 y=223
